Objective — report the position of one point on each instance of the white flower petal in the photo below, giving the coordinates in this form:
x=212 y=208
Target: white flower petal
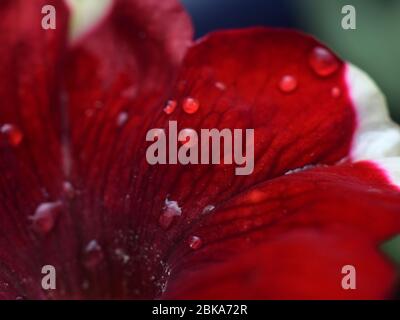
x=86 y=15
x=376 y=135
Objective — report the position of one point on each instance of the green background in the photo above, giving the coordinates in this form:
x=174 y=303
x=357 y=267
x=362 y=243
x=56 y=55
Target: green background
x=374 y=45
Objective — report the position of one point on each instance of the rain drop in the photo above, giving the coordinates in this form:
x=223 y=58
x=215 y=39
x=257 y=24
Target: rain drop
x=171 y=210
x=336 y=92
x=93 y=255
x=208 y=209
x=190 y=105
x=170 y=106
x=122 y=118
x=220 y=85
x=44 y=219
x=68 y=190
x=195 y=242
x=121 y=255
x=288 y=84
x=12 y=134
x=85 y=285
x=323 y=62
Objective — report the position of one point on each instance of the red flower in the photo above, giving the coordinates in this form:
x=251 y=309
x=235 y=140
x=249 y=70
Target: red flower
x=76 y=191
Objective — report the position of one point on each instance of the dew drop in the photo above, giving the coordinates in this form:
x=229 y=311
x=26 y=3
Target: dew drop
x=44 y=219
x=323 y=62
x=12 y=133
x=190 y=105
x=336 y=92
x=68 y=190
x=171 y=210
x=85 y=285
x=220 y=85
x=121 y=255
x=256 y=196
x=288 y=83
x=122 y=118
x=208 y=209
x=195 y=242
x=170 y=106
x=92 y=255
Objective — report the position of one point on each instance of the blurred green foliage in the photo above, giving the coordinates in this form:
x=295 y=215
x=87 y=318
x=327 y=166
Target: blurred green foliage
x=392 y=249
x=375 y=44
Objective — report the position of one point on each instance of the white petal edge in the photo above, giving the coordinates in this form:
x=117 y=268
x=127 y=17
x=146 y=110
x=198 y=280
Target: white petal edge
x=85 y=16
x=376 y=135
x=391 y=168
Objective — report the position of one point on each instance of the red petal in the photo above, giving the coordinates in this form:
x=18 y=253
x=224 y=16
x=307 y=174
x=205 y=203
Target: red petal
x=125 y=65
x=234 y=76
x=30 y=146
x=117 y=77
x=230 y=80
x=298 y=264
x=108 y=240
x=355 y=197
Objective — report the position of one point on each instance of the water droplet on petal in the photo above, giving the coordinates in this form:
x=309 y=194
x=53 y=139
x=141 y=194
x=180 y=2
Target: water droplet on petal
x=69 y=190
x=122 y=118
x=93 y=255
x=85 y=285
x=323 y=62
x=170 y=107
x=44 y=219
x=288 y=83
x=12 y=134
x=190 y=105
x=336 y=92
x=208 y=209
x=220 y=85
x=256 y=196
x=171 y=210
x=195 y=242
x=121 y=255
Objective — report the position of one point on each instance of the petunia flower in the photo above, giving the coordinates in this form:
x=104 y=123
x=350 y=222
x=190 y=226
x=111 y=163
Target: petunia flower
x=77 y=193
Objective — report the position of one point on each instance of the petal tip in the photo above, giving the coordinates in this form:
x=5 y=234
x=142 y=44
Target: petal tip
x=391 y=169
x=376 y=135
